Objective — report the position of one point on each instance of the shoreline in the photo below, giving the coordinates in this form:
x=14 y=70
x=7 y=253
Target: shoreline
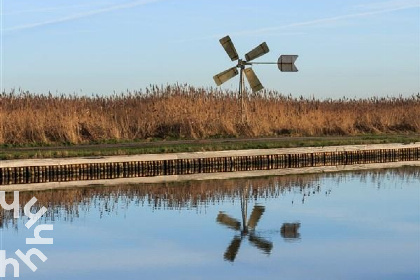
x=37 y=174
x=205 y=176
x=196 y=155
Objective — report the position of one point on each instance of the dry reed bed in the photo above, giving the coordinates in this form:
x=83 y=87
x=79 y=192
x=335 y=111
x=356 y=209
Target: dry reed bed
x=188 y=112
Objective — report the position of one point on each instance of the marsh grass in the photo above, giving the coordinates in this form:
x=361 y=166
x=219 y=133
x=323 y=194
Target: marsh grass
x=182 y=111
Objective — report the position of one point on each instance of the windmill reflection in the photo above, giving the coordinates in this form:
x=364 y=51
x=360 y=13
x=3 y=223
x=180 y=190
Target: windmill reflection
x=290 y=231
x=244 y=229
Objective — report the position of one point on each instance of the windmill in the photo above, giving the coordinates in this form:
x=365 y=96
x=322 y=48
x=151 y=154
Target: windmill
x=285 y=64
x=244 y=229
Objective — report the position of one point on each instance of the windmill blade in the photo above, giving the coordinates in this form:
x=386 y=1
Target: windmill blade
x=257 y=52
x=225 y=75
x=229 y=48
x=228 y=221
x=233 y=249
x=255 y=216
x=261 y=243
x=253 y=80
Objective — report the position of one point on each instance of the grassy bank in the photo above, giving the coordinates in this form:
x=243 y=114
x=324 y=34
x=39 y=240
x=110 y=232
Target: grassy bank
x=157 y=147
x=183 y=112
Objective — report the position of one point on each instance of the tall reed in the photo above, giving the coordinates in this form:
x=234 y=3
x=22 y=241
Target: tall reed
x=182 y=111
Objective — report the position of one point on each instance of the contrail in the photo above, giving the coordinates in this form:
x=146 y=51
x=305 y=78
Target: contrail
x=388 y=4
x=325 y=20
x=45 y=10
x=81 y=15
x=410 y=5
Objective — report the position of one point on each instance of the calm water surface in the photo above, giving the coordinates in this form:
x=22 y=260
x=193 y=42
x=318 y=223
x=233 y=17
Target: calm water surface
x=362 y=225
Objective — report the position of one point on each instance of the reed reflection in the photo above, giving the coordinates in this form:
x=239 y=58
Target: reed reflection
x=69 y=204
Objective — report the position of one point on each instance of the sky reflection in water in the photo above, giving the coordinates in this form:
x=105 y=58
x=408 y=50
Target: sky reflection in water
x=361 y=225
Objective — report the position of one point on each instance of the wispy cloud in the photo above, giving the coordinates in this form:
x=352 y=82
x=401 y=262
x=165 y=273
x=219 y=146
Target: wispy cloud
x=46 y=9
x=81 y=15
x=392 y=4
x=371 y=10
x=411 y=5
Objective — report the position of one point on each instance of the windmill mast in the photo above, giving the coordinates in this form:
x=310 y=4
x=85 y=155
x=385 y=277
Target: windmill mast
x=241 y=91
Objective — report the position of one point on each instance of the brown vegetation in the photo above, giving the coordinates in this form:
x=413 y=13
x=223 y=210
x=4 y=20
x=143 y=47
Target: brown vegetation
x=188 y=112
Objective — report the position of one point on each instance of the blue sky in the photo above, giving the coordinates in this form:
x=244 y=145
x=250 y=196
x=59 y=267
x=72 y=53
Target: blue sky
x=356 y=48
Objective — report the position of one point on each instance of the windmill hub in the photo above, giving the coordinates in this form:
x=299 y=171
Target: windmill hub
x=242 y=63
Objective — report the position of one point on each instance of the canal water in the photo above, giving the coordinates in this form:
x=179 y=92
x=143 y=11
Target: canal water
x=355 y=225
